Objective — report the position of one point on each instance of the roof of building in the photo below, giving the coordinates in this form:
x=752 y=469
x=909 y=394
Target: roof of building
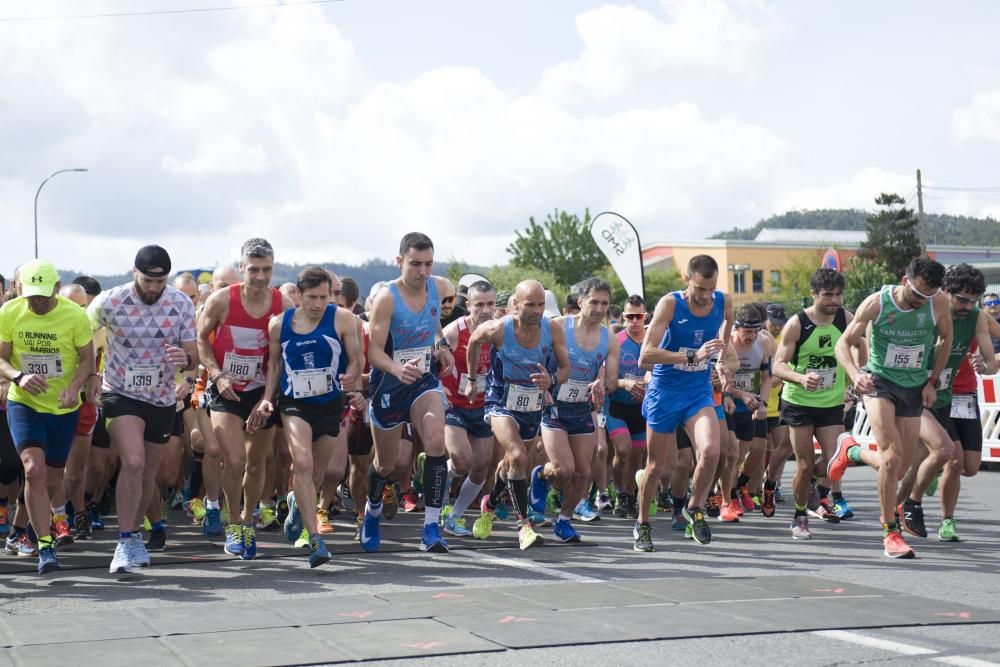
x=810 y=236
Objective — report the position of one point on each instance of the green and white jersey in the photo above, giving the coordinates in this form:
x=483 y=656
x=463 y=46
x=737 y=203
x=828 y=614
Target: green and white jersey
x=902 y=341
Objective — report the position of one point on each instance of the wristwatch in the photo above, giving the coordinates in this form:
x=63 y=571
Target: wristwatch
x=443 y=345
x=691 y=355
x=17 y=378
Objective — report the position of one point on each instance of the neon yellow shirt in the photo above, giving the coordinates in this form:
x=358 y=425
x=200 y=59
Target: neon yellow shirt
x=45 y=345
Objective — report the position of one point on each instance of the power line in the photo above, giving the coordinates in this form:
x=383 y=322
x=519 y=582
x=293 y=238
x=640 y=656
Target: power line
x=157 y=12
x=969 y=188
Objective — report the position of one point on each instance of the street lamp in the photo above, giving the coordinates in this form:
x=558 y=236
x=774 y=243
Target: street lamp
x=38 y=192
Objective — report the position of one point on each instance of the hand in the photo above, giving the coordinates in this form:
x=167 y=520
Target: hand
x=471 y=390
x=357 y=401
x=864 y=383
x=930 y=395
x=92 y=389
x=977 y=362
x=226 y=390
x=637 y=390
x=34 y=384
x=177 y=356
x=542 y=379
x=811 y=381
x=728 y=405
x=760 y=413
x=68 y=397
x=447 y=361
x=710 y=349
x=409 y=372
x=597 y=392
x=259 y=416
x=348 y=383
x=752 y=401
x=182 y=390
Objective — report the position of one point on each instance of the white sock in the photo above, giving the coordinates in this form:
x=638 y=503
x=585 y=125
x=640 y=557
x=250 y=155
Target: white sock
x=373 y=510
x=212 y=504
x=466 y=495
x=431 y=515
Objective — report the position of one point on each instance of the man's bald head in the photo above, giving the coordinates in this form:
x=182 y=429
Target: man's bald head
x=225 y=276
x=186 y=283
x=529 y=302
x=75 y=293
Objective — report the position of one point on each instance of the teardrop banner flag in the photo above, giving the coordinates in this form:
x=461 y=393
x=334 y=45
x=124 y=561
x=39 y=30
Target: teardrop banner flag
x=618 y=240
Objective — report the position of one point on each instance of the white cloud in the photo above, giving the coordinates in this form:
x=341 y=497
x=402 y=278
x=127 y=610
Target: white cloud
x=859 y=191
x=980 y=120
x=624 y=44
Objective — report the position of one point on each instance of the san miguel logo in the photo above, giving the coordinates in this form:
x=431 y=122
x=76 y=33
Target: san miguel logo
x=618 y=237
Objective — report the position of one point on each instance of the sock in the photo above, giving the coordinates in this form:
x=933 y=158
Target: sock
x=123 y=536
x=31 y=533
x=678 y=502
x=213 y=504
x=519 y=497
x=59 y=510
x=498 y=489
x=314 y=538
x=770 y=486
x=448 y=482
x=733 y=495
x=562 y=518
x=742 y=480
x=837 y=495
x=800 y=511
x=373 y=510
x=854 y=453
x=824 y=491
x=466 y=495
x=912 y=503
x=196 y=478
x=159 y=525
x=435 y=476
x=889 y=527
x=431 y=514
x=376 y=486
x=45 y=542
x=88 y=498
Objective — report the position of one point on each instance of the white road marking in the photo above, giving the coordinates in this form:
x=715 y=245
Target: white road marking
x=524 y=565
x=902 y=649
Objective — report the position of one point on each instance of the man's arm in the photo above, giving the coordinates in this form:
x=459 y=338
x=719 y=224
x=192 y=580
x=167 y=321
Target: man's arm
x=783 y=357
x=562 y=355
x=347 y=330
x=983 y=339
x=611 y=364
x=212 y=316
x=853 y=338
x=942 y=313
x=265 y=407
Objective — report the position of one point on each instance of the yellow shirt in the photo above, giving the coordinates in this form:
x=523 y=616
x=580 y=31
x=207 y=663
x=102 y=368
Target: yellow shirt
x=45 y=345
x=775 y=397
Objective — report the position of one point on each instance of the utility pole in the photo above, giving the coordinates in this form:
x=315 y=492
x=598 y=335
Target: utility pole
x=920 y=204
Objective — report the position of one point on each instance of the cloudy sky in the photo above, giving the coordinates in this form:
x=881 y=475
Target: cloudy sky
x=332 y=129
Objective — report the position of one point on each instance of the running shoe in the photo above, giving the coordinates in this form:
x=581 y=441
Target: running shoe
x=121 y=561
x=268 y=518
x=839 y=464
x=409 y=501
x=538 y=519
x=456 y=526
x=389 y=504
x=911 y=518
x=60 y=530
x=483 y=526
x=157 y=539
x=138 y=554
x=445 y=512
x=371 y=532
x=211 y=524
x=678 y=522
x=318 y=553
x=431 y=540
x=47 y=560
x=553 y=502
x=800 y=528
x=642 y=536
x=21 y=546
x=663 y=502
x=281 y=509
x=755 y=497
x=527 y=537
x=947 y=532
x=824 y=511
x=195 y=509
x=633 y=506
x=538 y=491
x=779 y=497
x=4 y=520
x=146 y=525
x=688 y=532
x=620 y=509
x=82 y=530
x=177 y=502
x=933 y=486
x=584 y=512
x=603 y=502
x=842 y=509
x=418 y=475
x=96 y=522
x=896 y=547
x=504 y=510
x=767 y=507
x=714 y=506
x=358 y=520
x=729 y=514
x=323 y=525
x=738 y=506
x=234 y=540
x=293 y=522
x=746 y=501
x=303 y=540
x=700 y=530
x=565 y=532
x=249 y=543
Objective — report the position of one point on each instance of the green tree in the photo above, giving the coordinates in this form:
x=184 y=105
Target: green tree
x=795 y=277
x=456 y=269
x=656 y=283
x=562 y=244
x=506 y=278
x=893 y=236
x=863 y=278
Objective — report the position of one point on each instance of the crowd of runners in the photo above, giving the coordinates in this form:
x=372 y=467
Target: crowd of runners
x=255 y=407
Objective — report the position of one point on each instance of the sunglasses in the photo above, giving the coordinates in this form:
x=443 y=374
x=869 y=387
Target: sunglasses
x=922 y=295
x=991 y=303
x=963 y=299
x=634 y=316
x=448 y=299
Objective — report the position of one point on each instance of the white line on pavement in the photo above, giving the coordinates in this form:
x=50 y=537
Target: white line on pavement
x=902 y=649
x=524 y=565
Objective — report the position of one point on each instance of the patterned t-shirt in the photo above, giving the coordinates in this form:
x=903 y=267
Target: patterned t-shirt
x=138 y=334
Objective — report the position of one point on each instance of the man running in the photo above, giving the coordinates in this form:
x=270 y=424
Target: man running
x=47 y=354
x=895 y=385
x=683 y=335
x=150 y=337
x=233 y=344
x=405 y=339
x=626 y=426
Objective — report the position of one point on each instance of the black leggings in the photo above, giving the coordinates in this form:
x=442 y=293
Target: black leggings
x=11 y=468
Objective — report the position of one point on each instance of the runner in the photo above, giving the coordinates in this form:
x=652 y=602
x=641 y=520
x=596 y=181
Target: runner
x=895 y=384
x=467 y=435
x=405 y=323
x=568 y=432
x=314 y=353
x=150 y=336
x=626 y=426
x=523 y=346
x=813 y=395
x=236 y=362
x=682 y=336
x=47 y=354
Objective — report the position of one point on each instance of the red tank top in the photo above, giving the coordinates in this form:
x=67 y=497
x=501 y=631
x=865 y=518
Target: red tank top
x=241 y=342
x=452 y=383
x=965 y=379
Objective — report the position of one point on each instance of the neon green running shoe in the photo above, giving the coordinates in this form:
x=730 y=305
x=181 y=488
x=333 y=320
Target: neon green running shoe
x=932 y=487
x=483 y=526
x=947 y=532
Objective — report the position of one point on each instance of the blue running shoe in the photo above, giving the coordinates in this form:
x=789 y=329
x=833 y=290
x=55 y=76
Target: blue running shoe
x=371 y=532
x=211 y=525
x=539 y=491
x=678 y=523
x=584 y=512
x=318 y=553
x=503 y=508
x=293 y=522
x=47 y=560
x=842 y=509
x=234 y=540
x=249 y=543
x=96 y=522
x=538 y=518
x=565 y=531
x=432 y=541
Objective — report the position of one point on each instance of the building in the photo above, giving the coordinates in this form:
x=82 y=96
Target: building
x=753 y=268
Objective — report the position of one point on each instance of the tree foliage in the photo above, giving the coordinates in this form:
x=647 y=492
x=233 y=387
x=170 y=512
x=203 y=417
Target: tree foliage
x=893 y=237
x=864 y=278
x=562 y=244
x=656 y=283
x=795 y=277
x=506 y=278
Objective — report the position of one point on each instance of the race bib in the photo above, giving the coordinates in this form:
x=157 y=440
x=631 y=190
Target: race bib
x=905 y=356
x=311 y=382
x=602 y=420
x=421 y=354
x=573 y=391
x=143 y=377
x=46 y=365
x=242 y=367
x=743 y=380
x=827 y=377
x=692 y=367
x=524 y=399
x=944 y=380
x=463 y=384
x=963 y=407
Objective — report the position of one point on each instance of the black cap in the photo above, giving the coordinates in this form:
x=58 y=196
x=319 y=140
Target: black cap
x=153 y=261
x=776 y=314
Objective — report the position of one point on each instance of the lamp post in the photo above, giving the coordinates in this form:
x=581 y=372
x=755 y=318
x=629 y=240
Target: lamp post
x=38 y=192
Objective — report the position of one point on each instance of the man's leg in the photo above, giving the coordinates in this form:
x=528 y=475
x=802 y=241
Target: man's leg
x=704 y=429
x=259 y=446
x=228 y=429
x=427 y=418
